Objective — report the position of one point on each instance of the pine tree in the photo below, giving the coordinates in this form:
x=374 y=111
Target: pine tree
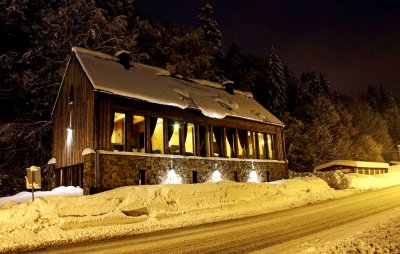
x=237 y=68
x=211 y=32
x=33 y=68
x=271 y=88
x=370 y=126
x=212 y=35
x=292 y=88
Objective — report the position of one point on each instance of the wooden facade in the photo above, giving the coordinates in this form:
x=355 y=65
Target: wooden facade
x=74 y=113
x=83 y=117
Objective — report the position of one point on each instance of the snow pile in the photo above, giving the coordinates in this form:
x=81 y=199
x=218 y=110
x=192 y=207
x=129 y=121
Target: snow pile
x=339 y=180
x=26 y=196
x=138 y=209
x=335 y=179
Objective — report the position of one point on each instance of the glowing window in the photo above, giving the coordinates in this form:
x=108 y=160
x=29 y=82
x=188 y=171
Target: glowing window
x=157 y=135
x=230 y=143
x=251 y=141
x=242 y=144
x=261 y=145
x=118 y=134
x=138 y=134
x=217 y=142
x=173 y=137
x=271 y=146
x=204 y=141
x=190 y=141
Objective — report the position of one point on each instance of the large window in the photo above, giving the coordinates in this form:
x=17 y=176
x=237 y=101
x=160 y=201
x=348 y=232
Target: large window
x=251 y=141
x=157 y=135
x=230 y=143
x=242 y=144
x=173 y=137
x=118 y=133
x=261 y=146
x=138 y=134
x=190 y=138
x=271 y=146
x=217 y=142
x=204 y=140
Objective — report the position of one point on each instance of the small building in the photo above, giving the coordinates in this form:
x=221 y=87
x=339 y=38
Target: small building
x=349 y=166
x=120 y=123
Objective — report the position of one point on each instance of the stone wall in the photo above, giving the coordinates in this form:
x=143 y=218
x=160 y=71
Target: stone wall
x=117 y=169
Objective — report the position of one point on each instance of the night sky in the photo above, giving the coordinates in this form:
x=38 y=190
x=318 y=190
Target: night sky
x=355 y=42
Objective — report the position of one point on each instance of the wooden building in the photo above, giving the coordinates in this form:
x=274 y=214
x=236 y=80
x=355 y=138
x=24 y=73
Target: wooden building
x=137 y=122
x=349 y=166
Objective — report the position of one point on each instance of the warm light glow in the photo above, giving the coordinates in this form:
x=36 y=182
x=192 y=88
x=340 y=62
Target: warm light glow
x=173 y=178
x=176 y=126
x=119 y=116
x=216 y=176
x=253 y=177
x=69 y=136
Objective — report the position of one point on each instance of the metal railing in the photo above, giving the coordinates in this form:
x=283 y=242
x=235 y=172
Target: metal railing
x=70 y=175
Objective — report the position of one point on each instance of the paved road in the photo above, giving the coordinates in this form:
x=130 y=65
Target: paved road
x=279 y=232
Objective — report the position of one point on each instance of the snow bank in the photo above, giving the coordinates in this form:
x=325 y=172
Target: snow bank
x=138 y=209
x=338 y=180
x=383 y=238
x=26 y=196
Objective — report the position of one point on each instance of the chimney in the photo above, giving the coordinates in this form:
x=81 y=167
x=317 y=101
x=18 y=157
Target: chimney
x=124 y=58
x=229 y=88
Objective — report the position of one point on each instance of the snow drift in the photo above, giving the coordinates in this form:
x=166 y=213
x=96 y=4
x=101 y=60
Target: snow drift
x=138 y=209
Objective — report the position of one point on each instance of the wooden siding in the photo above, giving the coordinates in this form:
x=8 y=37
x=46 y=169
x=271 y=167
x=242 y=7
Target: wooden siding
x=107 y=104
x=79 y=116
x=279 y=144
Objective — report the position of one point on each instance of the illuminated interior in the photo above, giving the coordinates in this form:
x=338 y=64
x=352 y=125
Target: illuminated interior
x=204 y=141
x=242 y=152
x=261 y=145
x=190 y=139
x=157 y=137
x=270 y=147
x=173 y=134
x=215 y=141
x=138 y=134
x=230 y=143
x=251 y=140
x=118 y=134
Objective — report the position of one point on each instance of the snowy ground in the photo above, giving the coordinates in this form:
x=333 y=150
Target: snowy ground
x=137 y=209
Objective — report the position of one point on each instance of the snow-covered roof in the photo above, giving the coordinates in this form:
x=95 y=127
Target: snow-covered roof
x=354 y=164
x=156 y=85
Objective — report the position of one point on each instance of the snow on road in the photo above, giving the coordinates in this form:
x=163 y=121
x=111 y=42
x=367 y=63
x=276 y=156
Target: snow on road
x=138 y=209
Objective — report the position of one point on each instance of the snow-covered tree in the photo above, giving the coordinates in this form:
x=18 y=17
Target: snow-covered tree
x=211 y=32
x=270 y=87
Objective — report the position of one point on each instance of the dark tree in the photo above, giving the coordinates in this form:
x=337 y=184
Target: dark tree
x=270 y=87
x=211 y=32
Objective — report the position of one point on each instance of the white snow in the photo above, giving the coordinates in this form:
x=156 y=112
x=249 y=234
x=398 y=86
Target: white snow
x=154 y=85
x=26 y=196
x=138 y=209
x=339 y=180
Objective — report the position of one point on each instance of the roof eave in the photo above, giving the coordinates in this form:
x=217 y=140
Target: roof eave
x=61 y=84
